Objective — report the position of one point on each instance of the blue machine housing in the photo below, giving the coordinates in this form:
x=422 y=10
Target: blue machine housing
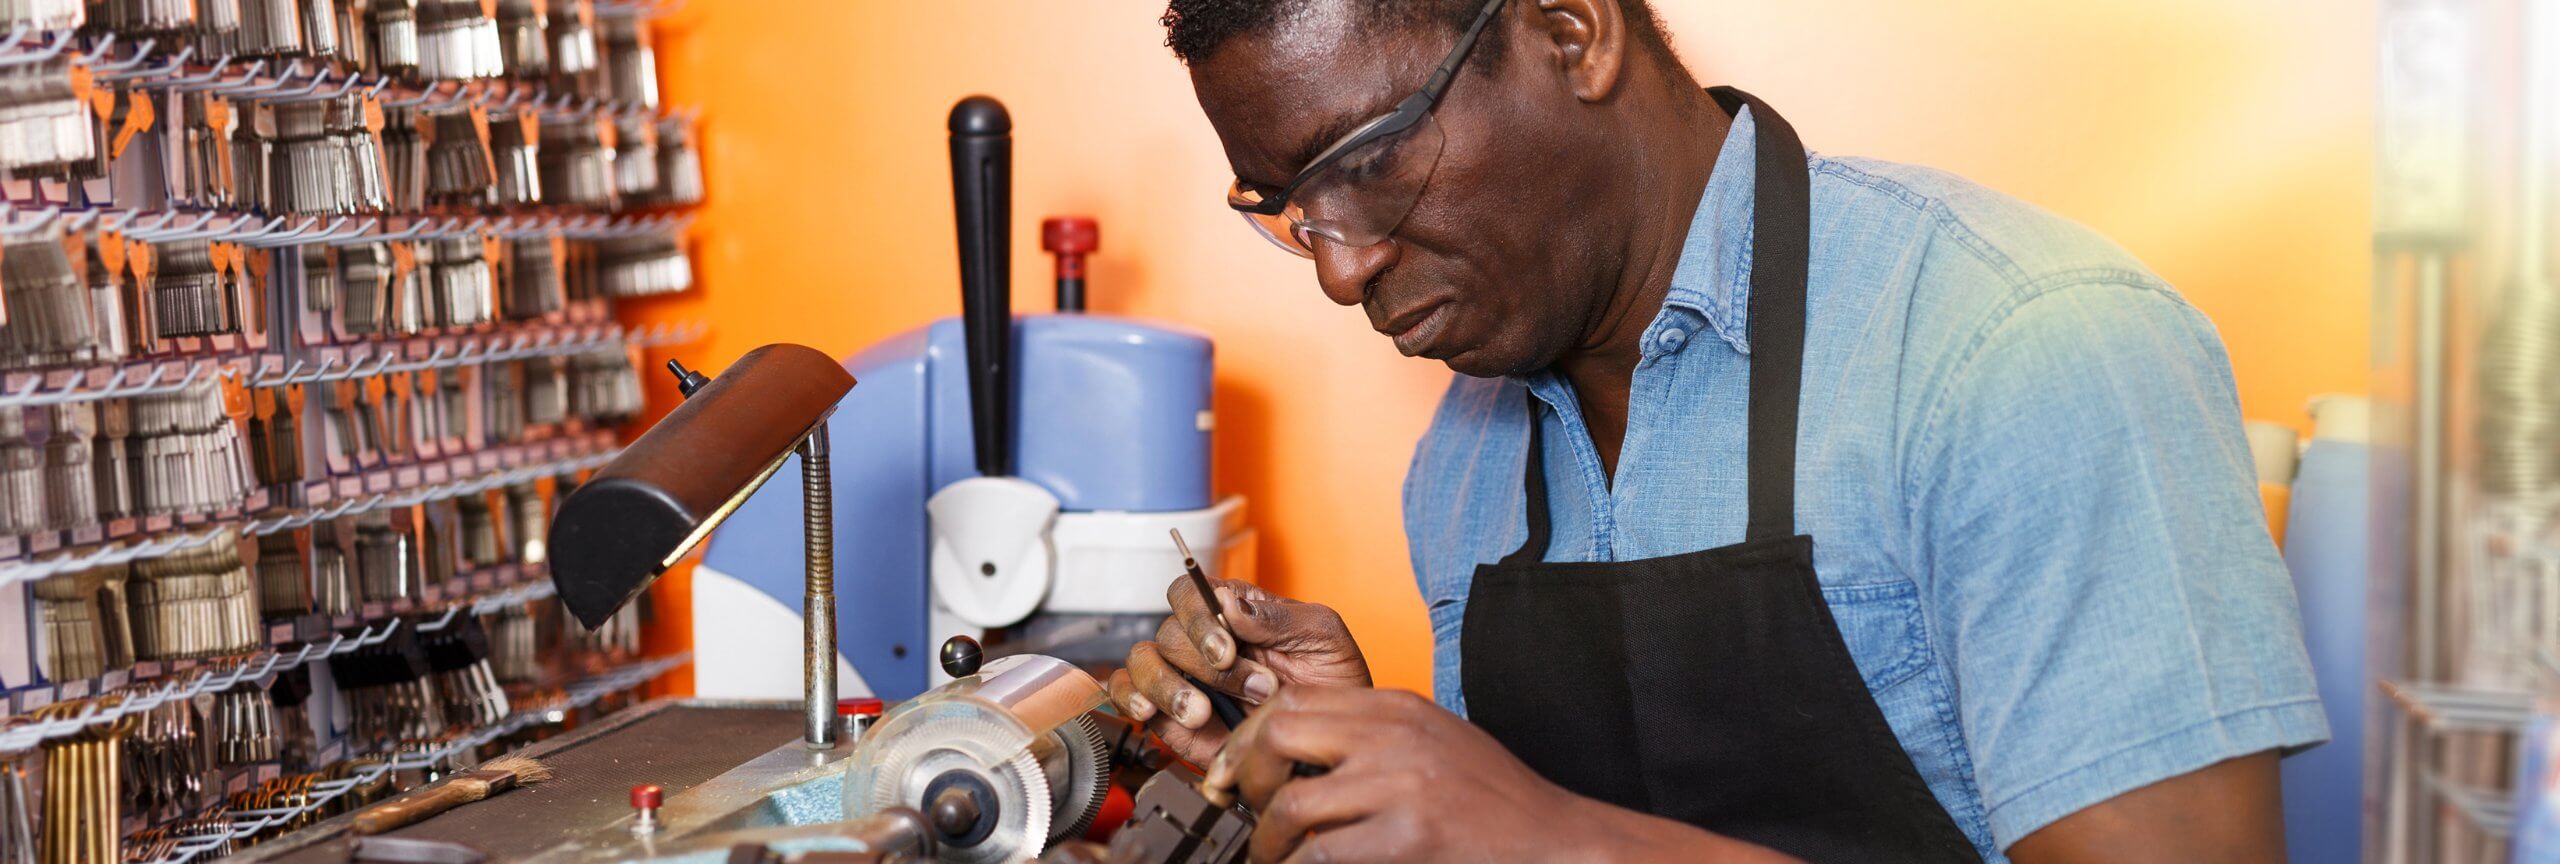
x=1112 y=415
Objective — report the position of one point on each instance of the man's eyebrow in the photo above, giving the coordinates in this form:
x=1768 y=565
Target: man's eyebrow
x=1315 y=144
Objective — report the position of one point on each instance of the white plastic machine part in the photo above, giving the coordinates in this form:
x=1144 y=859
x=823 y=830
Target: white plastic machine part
x=1106 y=563
x=1121 y=563
x=991 y=557
x=747 y=644
x=1114 y=563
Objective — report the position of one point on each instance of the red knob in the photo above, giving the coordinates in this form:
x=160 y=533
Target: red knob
x=646 y=796
x=858 y=707
x=1070 y=235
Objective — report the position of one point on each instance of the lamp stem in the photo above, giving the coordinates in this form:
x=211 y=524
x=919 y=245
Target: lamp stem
x=818 y=612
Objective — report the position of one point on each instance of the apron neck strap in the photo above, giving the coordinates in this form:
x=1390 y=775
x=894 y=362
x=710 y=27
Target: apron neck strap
x=1781 y=225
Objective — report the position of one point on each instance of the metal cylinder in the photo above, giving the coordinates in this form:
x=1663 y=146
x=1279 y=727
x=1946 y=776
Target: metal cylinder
x=817 y=513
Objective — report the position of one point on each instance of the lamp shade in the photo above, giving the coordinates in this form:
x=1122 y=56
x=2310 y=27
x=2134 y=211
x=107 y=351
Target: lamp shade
x=666 y=491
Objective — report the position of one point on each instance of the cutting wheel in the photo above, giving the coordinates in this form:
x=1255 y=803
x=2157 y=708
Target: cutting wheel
x=906 y=765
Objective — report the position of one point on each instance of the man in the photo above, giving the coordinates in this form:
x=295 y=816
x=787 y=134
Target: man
x=1784 y=506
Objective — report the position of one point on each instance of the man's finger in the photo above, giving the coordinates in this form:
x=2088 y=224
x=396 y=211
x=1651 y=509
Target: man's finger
x=1379 y=838
x=1125 y=697
x=1196 y=746
x=1200 y=628
x=1249 y=678
x=1311 y=805
x=1259 y=618
x=1160 y=683
x=1319 y=726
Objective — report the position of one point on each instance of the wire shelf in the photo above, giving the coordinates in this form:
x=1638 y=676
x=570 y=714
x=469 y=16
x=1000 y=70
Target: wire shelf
x=155 y=378
x=271 y=660
x=13 y=572
x=249 y=823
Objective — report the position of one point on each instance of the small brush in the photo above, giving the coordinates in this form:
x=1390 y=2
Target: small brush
x=492 y=777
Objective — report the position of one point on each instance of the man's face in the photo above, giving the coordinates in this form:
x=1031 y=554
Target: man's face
x=1502 y=265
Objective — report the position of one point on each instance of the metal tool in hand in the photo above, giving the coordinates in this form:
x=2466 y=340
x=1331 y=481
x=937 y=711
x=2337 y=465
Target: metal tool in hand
x=1220 y=704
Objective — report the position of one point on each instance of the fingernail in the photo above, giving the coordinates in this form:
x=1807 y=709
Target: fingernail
x=1236 y=599
x=1186 y=705
x=1220 y=647
x=1139 y=708
x=1260 y=685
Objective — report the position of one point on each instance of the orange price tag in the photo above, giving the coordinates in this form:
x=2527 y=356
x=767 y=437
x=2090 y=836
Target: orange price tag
x=139 y=113
x=83 y=82
x=140 y=254
x=480 y=125
x=235 y=397
x=111 y=251
x=102 y=103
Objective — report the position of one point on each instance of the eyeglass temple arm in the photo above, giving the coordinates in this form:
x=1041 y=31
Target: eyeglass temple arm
x=1448 y=71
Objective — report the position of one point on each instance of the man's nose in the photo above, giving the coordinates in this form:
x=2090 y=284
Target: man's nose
x=1346 y=271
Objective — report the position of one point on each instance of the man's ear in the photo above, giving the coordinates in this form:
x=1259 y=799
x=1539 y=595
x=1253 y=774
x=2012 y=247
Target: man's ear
x=1588 y=41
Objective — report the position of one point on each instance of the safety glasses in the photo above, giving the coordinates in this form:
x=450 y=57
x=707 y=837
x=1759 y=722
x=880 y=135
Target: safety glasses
x=1357 y=191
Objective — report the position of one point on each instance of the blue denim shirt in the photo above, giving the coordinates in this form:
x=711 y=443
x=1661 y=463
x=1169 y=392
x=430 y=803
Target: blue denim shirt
x=2021 y=463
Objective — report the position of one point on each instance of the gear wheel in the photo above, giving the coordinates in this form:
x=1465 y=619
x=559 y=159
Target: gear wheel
x=1084 y=782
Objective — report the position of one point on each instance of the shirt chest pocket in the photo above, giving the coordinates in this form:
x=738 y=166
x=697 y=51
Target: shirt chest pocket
x=1884 y=628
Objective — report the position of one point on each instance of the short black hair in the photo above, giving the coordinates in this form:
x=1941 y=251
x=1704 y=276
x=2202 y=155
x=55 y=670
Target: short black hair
x=1195 y=29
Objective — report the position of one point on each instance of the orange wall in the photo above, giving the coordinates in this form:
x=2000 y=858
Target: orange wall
x=2225 y=143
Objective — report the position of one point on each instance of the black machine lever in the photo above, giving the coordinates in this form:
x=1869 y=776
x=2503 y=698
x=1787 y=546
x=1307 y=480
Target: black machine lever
x=982 y=202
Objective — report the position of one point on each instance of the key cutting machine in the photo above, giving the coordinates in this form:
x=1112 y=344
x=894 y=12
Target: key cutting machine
x=1005 y=477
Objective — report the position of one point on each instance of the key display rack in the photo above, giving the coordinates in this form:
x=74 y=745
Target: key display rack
x=307 y=319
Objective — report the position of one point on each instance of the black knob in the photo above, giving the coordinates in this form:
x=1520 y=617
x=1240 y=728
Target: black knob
x=687 y=380
x=961 y=657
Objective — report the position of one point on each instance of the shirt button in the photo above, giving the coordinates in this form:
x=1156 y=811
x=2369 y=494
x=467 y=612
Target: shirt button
x=1672 y=338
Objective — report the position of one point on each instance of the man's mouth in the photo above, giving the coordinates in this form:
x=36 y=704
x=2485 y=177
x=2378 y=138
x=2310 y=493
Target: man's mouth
x=1416 y=329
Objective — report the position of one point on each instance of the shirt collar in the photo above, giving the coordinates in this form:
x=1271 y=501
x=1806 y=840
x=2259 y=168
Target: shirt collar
x=1713 y=278
x=1714 y=275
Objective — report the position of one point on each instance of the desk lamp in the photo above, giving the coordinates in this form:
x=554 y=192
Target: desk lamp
x=647 y=508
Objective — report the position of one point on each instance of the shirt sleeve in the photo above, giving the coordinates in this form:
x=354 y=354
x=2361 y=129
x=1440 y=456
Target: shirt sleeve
x=2097 y=559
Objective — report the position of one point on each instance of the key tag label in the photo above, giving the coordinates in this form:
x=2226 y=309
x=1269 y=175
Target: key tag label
x=489 y=9
x=404 y=260
x=252 y=265
x=219 y=118
x=480 y=127
x=102 y=100
x=111 y=251
x=140 y=114
x=531 y=120
x=75 y=247
x=236 y=402
x=608 y=135
x=84 y=85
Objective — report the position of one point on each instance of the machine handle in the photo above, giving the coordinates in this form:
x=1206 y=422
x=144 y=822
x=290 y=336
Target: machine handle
x=982 y=201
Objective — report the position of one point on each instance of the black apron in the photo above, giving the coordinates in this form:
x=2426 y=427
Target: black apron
x=1713 y=687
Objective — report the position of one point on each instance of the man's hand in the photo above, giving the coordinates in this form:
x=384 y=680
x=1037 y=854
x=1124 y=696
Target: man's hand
x=1408 y=781
x=1284 y=642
